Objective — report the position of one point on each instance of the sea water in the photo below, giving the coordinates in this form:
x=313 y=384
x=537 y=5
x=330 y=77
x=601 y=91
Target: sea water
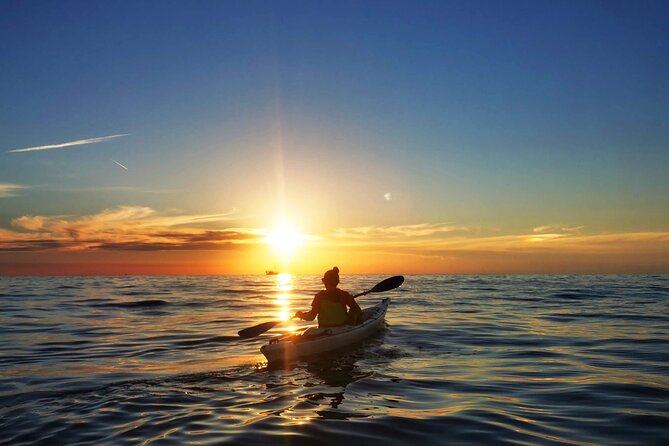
x=462 y=360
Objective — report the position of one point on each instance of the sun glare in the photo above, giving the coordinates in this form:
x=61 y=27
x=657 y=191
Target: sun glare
x=284 y=239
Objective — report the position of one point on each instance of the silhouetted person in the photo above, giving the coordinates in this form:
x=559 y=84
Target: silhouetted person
x=331 y=304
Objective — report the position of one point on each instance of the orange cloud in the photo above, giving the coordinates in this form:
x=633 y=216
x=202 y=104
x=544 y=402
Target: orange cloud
x=132 y=239
x=443 y=237
x=551 y=248
x=124 y=228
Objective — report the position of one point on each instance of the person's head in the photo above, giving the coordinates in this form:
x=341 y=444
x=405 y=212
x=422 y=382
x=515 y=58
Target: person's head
x=331 y=278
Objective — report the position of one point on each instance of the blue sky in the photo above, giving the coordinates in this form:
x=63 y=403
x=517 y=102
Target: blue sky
x=503 y=116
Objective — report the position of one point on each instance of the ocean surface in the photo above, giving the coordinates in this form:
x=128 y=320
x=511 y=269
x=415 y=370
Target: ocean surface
x=463 y=360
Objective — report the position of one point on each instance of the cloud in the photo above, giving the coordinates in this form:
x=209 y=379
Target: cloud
x=28 y=222
x=551 y=232
x=125 y=228
x=9 y=190
x=443 y=240
x=171 y=241
x=65 y=145
x=421 y=230
x=144 y=229
x=558 y=229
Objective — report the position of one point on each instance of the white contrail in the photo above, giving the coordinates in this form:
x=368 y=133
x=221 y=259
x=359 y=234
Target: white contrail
x=79 y=142
x=119 y=164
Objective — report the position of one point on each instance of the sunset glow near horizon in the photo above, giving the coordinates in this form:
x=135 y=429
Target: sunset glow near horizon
x=233 y=138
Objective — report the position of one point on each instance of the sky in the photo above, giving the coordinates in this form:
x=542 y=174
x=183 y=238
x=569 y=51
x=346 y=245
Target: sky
x=231 y=137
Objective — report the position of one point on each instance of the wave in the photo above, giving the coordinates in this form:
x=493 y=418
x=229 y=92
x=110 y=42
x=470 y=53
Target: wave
x=559 y=360
x=207 y=341
x=144 y=292
x=148 y=303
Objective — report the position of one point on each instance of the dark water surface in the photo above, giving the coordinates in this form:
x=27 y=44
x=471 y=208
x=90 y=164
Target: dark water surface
x=481 y=360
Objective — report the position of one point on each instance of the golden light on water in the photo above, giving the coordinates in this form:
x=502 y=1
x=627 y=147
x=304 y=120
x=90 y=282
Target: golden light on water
x=284 y=282
x=284 y=287
x=284 y=314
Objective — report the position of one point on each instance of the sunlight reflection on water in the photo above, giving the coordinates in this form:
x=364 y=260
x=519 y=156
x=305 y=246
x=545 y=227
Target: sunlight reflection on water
x=464 y=360
x=283 y=299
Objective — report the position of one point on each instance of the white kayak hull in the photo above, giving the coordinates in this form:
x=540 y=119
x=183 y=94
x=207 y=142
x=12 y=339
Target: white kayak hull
x=314 y=341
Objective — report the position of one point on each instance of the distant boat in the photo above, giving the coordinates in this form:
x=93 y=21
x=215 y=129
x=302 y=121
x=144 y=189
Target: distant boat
x=270 y=272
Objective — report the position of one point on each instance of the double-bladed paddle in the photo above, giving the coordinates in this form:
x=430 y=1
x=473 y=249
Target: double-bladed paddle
x=385 y=285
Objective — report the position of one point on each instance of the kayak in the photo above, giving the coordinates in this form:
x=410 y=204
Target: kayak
x=316 y=340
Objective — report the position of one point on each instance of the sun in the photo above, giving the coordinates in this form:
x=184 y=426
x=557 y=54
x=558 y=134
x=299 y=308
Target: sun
x=284 y=239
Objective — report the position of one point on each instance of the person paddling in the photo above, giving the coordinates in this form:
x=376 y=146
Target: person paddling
x=330 y=304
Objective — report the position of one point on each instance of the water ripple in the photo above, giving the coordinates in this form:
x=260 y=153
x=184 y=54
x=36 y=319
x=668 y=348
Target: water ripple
x=464 y=360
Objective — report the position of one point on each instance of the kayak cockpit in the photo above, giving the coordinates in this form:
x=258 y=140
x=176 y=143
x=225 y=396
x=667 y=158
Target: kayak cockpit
x=316 y=340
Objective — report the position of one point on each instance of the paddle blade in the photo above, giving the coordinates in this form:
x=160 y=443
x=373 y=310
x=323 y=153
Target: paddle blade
x=257 y=329
x=389 y=284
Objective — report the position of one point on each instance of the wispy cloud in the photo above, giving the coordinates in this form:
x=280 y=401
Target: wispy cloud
x=423 y=246
x=552 y=232
x=445 y=240
x=557 y=229
x=65 y=145
x=9 y=189
x=420 y=230
x=125 y=228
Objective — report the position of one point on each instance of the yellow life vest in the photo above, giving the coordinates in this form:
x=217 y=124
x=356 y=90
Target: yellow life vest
x=331 y=313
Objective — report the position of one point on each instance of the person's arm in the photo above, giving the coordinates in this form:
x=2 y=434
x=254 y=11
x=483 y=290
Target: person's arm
x=309 y=315
x=354 y=312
